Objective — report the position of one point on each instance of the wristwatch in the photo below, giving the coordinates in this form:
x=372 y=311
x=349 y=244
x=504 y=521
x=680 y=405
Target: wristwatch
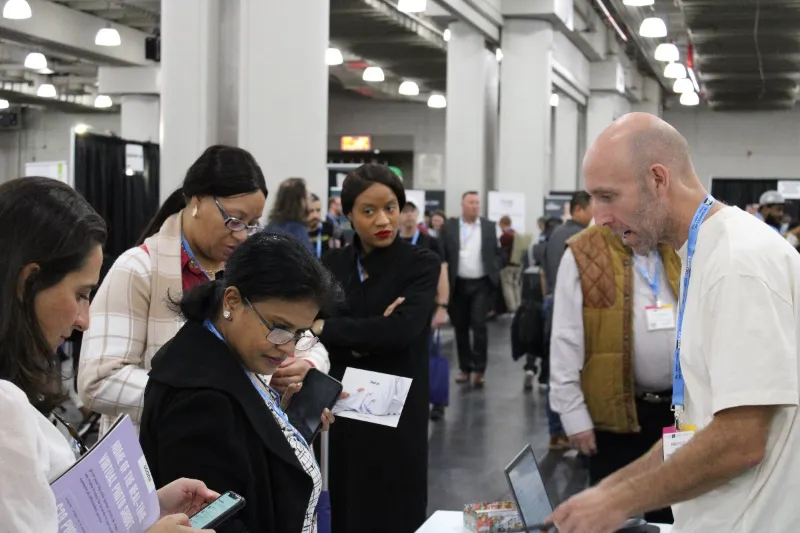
x=443 y=306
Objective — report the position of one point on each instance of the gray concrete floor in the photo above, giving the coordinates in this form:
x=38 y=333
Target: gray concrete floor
x=483 y=430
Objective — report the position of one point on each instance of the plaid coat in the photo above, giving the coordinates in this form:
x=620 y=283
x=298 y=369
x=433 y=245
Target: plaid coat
x=130 y=322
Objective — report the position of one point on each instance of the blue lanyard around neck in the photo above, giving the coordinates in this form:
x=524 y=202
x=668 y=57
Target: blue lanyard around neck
x=193 y=257
x=272 y=399
x=678 y=384
x=466 y=236
x=319 y=241
x=361 y=274
x=415 y=238
x=655 y=281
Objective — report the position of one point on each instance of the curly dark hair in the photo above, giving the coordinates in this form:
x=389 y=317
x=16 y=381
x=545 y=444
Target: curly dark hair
x=44 y=222
x=290 y=203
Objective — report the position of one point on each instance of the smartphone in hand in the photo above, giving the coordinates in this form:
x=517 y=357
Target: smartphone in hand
x=319 y=392
x=218 y=511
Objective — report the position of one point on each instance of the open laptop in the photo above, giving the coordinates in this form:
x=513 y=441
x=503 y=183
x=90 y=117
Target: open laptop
x=533 y=501
x=530 y=494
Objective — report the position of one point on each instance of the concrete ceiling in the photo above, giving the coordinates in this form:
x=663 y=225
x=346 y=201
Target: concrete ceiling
x=144 y=15
x=407 y=47
x=747 y=52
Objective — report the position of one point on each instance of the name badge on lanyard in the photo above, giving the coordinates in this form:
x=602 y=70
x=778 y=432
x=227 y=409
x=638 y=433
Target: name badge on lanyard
x=675 y=437
x=659 y=317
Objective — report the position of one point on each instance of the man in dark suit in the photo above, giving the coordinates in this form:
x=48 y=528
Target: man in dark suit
x=470 y=247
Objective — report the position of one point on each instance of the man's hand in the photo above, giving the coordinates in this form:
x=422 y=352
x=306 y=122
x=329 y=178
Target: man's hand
x=290 y=372
x=584 y=442
x=592 y=511
x=186 y=496
x=440 y=318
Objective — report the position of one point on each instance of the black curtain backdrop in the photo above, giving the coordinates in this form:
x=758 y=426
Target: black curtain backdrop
x=125 y=202
x=743 y=192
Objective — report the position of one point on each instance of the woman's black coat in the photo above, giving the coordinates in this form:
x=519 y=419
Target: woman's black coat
x=379 y=474
x=204 y=419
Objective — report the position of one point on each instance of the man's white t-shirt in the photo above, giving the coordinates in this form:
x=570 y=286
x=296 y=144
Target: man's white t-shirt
x=740 y=346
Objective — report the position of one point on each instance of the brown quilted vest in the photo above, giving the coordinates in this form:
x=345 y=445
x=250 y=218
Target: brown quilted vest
x=606 y=273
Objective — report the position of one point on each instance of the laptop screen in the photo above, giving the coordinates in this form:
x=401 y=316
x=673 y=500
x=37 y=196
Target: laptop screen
x=528 y=488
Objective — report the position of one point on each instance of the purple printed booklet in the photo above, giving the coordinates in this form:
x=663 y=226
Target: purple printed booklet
x=110 y=489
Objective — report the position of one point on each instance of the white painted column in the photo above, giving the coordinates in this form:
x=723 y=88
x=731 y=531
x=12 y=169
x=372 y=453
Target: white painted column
x=651 y=98
x=471 y=144
x=603 y=109
x=141 y=118
x=525 y=88
x=189 y=85
x=565 y=173
x=283 y=89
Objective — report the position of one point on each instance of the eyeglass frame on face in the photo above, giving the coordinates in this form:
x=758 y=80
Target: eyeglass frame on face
x=233 y=221
x=297 y=338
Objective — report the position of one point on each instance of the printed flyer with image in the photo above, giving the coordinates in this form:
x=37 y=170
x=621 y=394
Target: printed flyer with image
x=110 y=489
x=372 y=397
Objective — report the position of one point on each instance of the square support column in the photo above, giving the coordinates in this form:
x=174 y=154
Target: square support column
x=189 y=94
x=283 y=89
x=525 y=114
x=472 y=93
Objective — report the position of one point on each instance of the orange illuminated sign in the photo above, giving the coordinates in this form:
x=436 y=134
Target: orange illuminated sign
x=353 y=143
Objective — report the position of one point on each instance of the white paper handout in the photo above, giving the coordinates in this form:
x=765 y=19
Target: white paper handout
x=373 y=397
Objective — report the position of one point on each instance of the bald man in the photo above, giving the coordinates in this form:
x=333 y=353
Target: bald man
x=732 y=464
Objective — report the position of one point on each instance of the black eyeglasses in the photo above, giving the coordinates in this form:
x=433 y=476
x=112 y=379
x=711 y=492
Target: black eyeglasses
x=278 y=336
x=234 y=224
x=77 y=441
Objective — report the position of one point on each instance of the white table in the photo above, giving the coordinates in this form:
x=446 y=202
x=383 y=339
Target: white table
x=453 y=522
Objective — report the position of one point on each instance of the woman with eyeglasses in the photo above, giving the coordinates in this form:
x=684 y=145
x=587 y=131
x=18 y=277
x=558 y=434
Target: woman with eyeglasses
x=207 y=410
x=188 y=241
x=52 y=242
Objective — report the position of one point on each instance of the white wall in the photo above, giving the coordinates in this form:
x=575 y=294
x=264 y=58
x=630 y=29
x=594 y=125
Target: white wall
x=399 y=125
x=45 y=137
x=764 y=144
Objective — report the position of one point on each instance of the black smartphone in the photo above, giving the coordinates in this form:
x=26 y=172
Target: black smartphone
x=218 y=511
x=319 y=392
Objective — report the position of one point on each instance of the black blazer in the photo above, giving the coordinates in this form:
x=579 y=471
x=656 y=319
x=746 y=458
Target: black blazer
x=450 y=242
x=204 y=419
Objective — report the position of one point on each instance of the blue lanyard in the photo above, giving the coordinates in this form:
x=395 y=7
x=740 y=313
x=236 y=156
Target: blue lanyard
x=464 y=236
x=415 y=238
x=319 y=241
x=191 y=255
x=655 y=281
x=272 y=399
x=361 y=274
x=678 y=385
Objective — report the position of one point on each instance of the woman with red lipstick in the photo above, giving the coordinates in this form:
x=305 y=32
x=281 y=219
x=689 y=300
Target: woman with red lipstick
x=390 y=286
x=207 y=408
x=190 y=238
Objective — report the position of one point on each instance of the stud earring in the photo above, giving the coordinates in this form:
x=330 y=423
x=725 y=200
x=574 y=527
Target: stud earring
x=226 y=315
x=194 y=212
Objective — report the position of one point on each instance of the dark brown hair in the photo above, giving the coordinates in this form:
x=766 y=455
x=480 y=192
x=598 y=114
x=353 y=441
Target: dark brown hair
x=290 y=202
x=46 y=222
